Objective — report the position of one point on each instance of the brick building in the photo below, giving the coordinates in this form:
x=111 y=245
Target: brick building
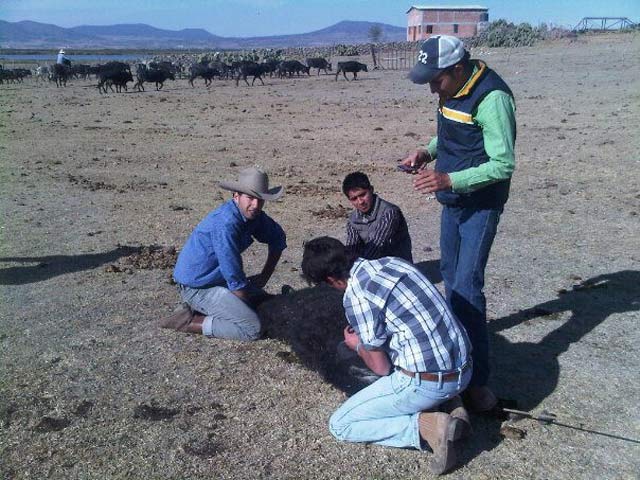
x=463 y=21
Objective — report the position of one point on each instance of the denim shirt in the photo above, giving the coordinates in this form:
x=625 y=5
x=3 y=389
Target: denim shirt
x=212 y=254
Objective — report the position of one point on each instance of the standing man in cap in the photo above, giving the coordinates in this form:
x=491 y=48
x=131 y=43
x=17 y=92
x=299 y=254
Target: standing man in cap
x=474 y=154
x=219 y=298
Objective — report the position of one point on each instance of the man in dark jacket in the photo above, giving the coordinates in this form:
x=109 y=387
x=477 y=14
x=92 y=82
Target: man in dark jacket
x=474 y=153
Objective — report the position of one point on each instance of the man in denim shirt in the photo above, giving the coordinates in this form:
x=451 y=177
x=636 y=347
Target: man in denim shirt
x=219 y=297
x=61 y=59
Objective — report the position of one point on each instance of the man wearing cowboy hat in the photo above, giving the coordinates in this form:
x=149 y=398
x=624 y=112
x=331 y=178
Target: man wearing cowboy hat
x=219 y=297
x=62 y=59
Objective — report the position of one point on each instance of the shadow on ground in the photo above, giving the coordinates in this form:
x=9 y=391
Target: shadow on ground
x=51 y=266
x=312 y=320
x=528 y=372
x=431 y=270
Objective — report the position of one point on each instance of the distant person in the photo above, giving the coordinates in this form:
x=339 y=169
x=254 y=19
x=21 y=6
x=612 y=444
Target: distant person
x=219 y=298
x=376 y=228
x=402 y=328
x=62 y=58
x=474 y=154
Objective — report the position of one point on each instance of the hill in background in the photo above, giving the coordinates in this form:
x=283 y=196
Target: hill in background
x=27 y=34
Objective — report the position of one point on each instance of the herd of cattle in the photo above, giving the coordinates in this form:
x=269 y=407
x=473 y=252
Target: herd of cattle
x=119 y=74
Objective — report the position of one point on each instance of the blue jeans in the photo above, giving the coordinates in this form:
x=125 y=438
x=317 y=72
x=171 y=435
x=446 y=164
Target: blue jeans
x=466 y=236
x=386 y=412
x=226 y=315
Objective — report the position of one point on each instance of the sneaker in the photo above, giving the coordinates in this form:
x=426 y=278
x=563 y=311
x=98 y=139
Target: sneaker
x=179 y=319
x=440 y=430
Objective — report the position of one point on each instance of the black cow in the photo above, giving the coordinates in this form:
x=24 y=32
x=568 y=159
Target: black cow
x=250 y=69
x=61 y=74
x=350 y=66
x=202 y=70
x=9 y=76
x=79 y=70
x=270 y=66
x=166 y=66
x=19 y=73
x=225 y=70
x=289 y=67
x=319 y=63
x=144 y=74
x=119 y=78
x=112 y=66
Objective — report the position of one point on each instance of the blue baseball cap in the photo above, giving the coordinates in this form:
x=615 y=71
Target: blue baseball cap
x=436 y=54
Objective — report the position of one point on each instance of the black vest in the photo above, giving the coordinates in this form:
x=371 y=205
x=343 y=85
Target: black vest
x=460 y=141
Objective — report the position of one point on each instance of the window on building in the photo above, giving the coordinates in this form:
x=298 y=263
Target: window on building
x=455 y=28
x=484 y=17
x=429 y=29
x=419 y=29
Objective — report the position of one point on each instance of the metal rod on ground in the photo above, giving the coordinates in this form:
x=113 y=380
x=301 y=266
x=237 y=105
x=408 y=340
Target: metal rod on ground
x=549 y=418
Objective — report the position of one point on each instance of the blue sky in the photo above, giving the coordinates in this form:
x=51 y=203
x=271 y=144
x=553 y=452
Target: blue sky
x=247 y=18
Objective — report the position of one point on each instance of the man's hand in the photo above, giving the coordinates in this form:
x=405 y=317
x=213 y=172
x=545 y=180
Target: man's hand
x=260 y=280
x=429 y=181
x=242 y=294
x=376 y=359
x=251 y=297
x=416 y=159
x=351 y=338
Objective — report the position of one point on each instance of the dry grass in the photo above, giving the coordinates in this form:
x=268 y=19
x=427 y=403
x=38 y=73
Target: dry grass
x=92 y=389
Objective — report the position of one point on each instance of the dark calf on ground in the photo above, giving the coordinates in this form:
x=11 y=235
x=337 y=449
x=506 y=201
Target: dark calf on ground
x=350 y=66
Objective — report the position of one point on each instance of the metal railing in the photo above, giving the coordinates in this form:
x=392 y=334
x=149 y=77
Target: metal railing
x=604 y=23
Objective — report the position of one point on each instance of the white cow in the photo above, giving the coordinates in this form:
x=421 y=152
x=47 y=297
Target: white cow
x=42 y=72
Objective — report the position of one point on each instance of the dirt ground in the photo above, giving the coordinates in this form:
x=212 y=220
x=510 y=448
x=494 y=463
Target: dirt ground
x=99 y=190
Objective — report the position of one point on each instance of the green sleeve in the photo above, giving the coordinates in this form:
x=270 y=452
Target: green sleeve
x=496 y=116
x=432 y=148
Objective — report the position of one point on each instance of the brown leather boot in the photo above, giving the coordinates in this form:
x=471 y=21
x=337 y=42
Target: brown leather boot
x=440 y=431
x=480 y=399
x=455 y=408
x=179 y=319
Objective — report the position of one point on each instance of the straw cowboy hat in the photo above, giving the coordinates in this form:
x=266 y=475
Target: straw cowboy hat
x=254 y=182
